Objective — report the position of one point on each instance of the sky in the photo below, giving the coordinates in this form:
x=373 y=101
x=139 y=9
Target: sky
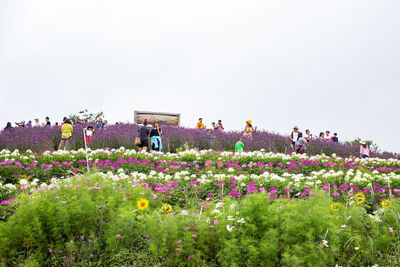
x=323 y=65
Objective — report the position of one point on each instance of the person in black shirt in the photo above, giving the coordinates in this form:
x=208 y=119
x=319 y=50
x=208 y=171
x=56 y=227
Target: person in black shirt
x=335 y=139
x=144 y=136
x=155 y=135
x=48 y=121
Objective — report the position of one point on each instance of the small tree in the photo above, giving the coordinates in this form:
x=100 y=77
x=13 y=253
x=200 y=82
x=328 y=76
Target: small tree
x=85 y=115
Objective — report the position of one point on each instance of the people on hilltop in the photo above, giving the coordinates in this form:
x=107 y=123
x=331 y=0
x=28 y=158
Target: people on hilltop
x=300 y=144
x=37 y=122
x=239 y=146
x=327 y=136
x=48 y=123
x=66 y=134
x=321 y=136
x=200 y=124
x=220 y=126
x=29 y=124
x=105 y=124
x=63 y=122
x=364 y=150
x=100 y=124
x=248 y=130
x=155 y=135
x=8 y=127
x=335 y=139
x=294 y=135
x=308 y=136
x=144 y=134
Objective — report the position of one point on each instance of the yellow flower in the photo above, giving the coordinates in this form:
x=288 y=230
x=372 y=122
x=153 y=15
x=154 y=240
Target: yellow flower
x=360 y=198
x=386 y=203
x=166 y=208
x=335 y=206
x=143 y=204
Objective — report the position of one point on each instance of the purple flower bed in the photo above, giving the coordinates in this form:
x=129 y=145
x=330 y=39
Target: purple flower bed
x=115 y=136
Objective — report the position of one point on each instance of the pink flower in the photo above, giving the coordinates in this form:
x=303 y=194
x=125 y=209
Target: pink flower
x=85 y=182
x=179 y=241
x=194 y=235
x=308 y=212
x=391 y=229
x=187 y=228
x=216 y=222
x=118 y=236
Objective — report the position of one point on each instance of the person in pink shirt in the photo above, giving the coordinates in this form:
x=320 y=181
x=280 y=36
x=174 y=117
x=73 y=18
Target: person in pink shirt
x=364 y=150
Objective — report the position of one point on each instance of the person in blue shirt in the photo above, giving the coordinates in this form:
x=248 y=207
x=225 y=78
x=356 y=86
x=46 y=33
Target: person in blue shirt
x=208 y=134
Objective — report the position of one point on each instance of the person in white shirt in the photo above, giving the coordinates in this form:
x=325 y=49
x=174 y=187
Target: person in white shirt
x=327 y=135
x=37 y=122
x=294 y=135
x=308 y=136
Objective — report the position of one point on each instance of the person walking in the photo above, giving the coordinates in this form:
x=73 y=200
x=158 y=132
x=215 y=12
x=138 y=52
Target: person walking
x=248 y=130
x=239 y=146
x=66 y=134
x=200 y=124
x=144 y=133
x=155 y=135
x=364 y=150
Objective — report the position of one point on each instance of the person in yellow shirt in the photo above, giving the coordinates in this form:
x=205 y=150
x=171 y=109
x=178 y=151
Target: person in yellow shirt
x=200 y=124
x=66 y=134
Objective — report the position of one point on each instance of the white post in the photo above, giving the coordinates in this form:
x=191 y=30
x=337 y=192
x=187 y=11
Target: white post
x=84 y=139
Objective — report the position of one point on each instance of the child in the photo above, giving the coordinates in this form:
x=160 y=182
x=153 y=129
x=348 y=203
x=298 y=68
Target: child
x=89 y=134
x=208 y=134
x=239 y=145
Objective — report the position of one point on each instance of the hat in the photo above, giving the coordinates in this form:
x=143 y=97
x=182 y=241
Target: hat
x=296 y=127
x=362 y=142
x=248 y=121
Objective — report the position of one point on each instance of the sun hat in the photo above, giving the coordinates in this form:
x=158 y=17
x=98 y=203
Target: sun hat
x=296 y=127
x=249 y=122
x=362 y=142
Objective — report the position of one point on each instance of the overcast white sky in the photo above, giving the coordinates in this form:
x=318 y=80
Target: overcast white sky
x=317 y=64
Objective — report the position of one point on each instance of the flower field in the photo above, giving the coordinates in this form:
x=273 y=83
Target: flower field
x=197 y=208
x=174 y=139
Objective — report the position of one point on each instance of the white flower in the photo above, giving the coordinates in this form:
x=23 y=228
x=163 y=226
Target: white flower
x=325 y=243
x=230 y=218
x=356 y=248
x=229 y=228
x=215 y=211
x=344 y=226
x=241 y=221
x=23 y=182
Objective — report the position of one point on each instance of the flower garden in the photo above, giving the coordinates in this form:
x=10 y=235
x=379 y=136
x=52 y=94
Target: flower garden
x=197 y=208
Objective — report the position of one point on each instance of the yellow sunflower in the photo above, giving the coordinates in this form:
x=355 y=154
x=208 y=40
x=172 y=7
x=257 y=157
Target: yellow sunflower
x=143 y=204
x=335 y=206
x=360 y=198
x=166 y=208
x=386 y=203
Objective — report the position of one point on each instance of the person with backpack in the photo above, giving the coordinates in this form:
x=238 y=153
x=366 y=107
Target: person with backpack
x=300 y=144
x=155 y=135
x=144 y=133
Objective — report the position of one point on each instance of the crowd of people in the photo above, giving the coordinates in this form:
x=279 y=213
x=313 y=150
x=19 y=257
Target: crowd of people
x=154 y=134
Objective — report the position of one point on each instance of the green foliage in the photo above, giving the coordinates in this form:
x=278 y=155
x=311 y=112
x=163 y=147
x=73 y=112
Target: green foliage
x=85 y=115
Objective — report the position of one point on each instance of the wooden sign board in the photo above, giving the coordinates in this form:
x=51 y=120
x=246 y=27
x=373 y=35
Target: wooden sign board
x=162 y=117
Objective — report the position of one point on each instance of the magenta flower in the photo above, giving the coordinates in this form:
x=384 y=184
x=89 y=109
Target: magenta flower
x=117 y=235
x=179 y=241
x=194 y=235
